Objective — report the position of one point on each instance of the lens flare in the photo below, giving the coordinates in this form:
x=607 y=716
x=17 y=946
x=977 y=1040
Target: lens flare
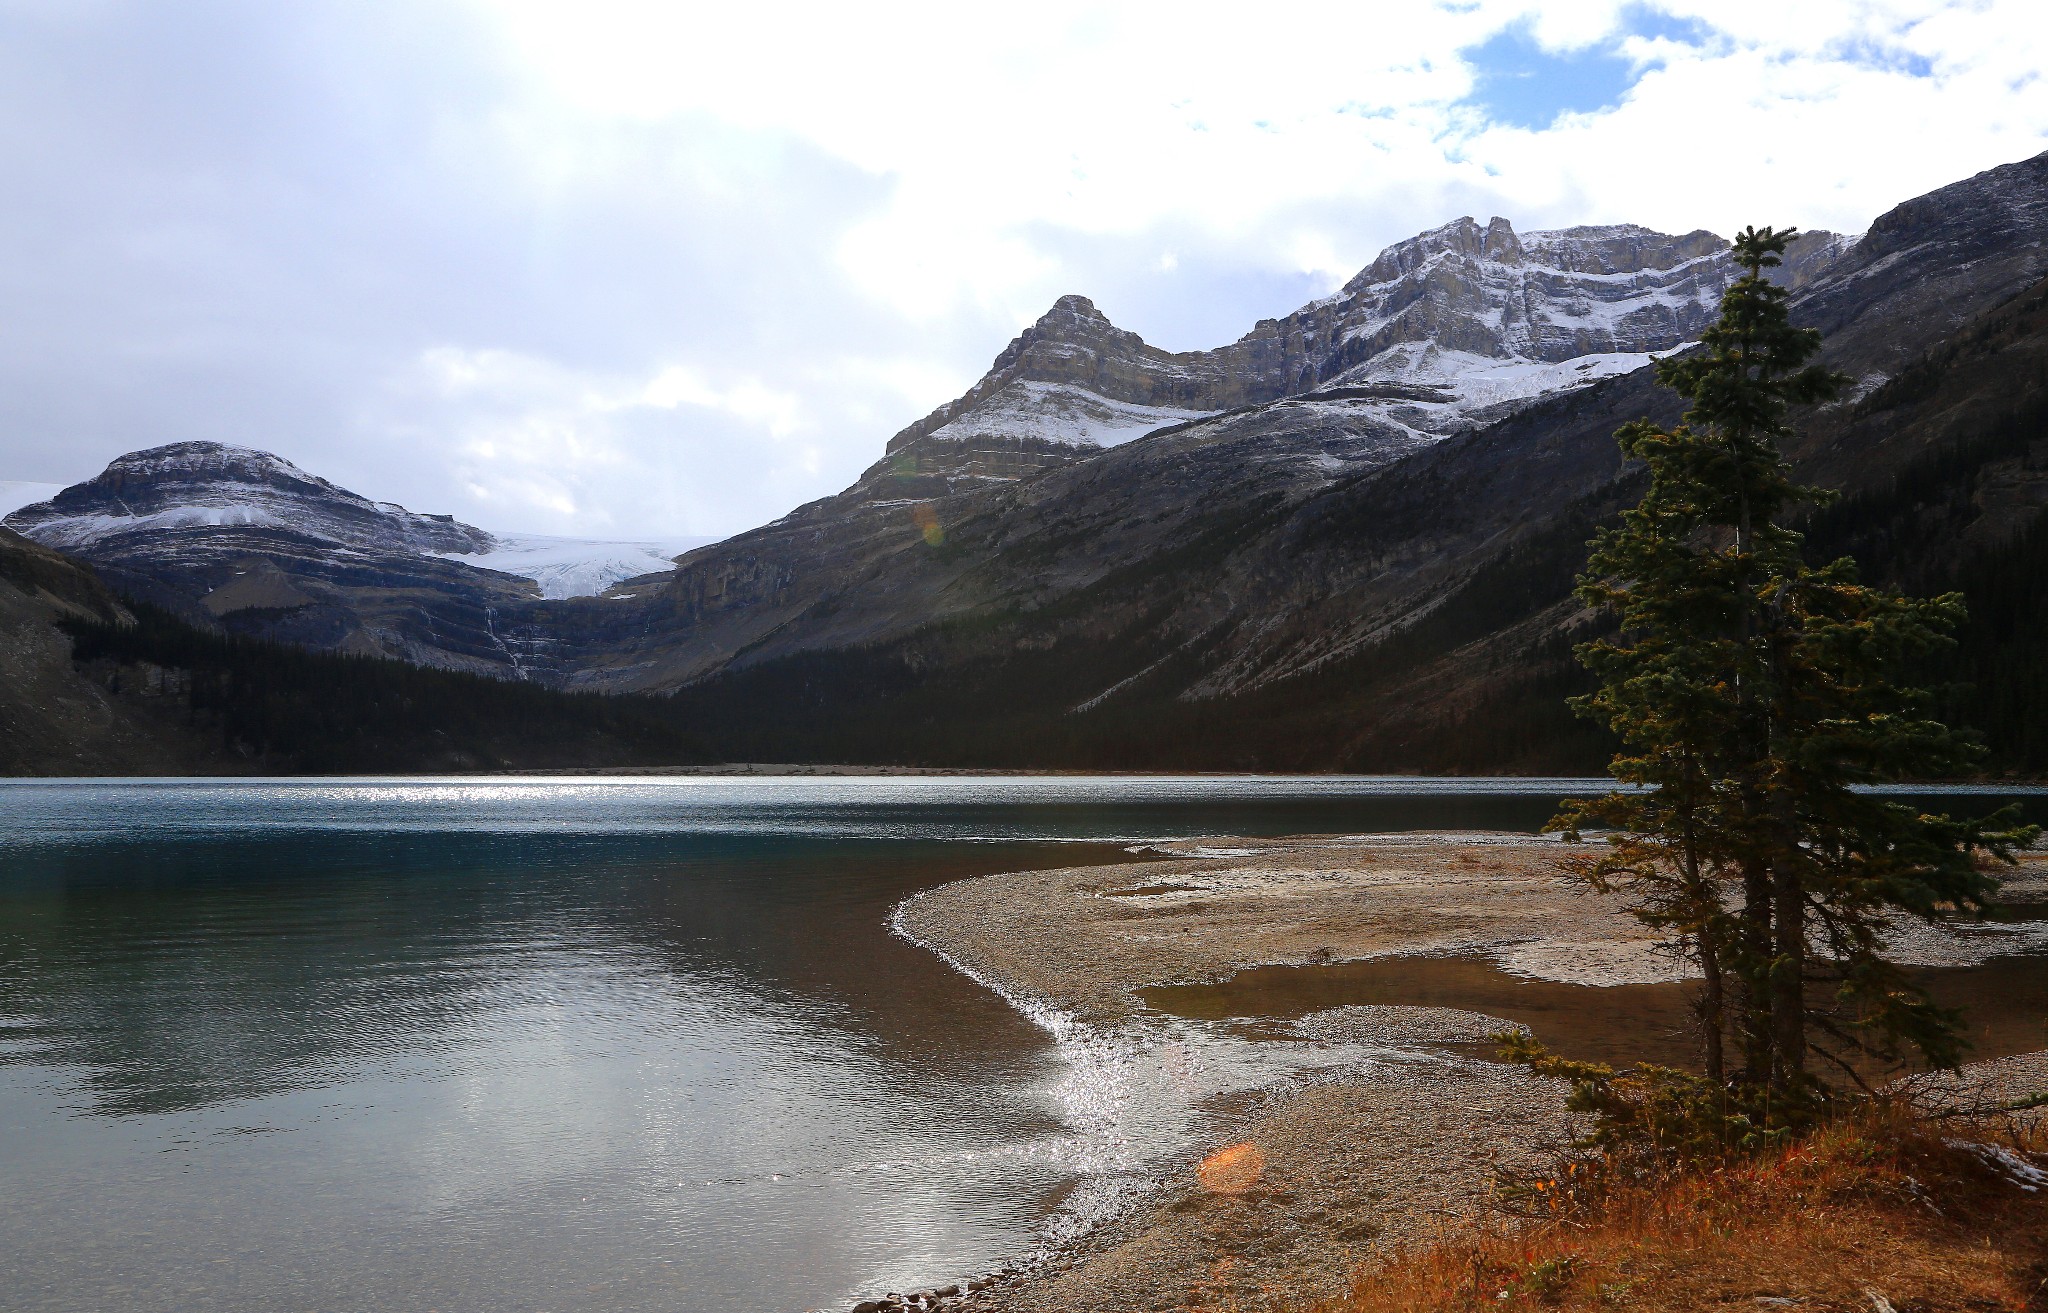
x=1233 y=1170
x=926 y=517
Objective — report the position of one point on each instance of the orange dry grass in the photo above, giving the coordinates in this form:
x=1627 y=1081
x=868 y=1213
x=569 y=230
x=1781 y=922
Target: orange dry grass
x=1885 y=1214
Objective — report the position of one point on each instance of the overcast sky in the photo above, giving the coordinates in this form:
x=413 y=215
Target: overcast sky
x=615 y=267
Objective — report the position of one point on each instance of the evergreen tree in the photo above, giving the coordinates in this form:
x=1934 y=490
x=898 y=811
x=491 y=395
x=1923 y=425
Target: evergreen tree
x=1752 y=693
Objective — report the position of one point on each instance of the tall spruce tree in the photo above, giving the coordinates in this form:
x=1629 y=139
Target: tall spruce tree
x=1752 y=693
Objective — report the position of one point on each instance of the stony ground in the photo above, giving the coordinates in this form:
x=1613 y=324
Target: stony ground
x=1312 y=1178
x=1085 y=938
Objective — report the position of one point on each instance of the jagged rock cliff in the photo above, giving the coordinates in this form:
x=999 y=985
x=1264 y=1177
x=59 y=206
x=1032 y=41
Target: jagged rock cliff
x=1217 y=561
x=1345 y=531
x=1448 y=330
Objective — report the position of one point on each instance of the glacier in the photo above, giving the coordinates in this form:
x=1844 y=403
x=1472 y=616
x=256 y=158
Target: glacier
x=577 y=567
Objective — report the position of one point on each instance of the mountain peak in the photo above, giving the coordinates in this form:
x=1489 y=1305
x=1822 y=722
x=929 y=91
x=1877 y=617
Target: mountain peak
x=1453 y=327
x=215 y=459
x=202 y=448
x=1463 y=236
x=1073 y=324
x=222 y=486
x=1072 y=304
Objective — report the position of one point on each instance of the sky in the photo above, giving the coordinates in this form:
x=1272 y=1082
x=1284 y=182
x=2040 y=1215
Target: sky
x=619 y=268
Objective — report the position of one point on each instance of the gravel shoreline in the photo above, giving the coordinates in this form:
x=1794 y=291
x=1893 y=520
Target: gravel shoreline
x=1311 y=1176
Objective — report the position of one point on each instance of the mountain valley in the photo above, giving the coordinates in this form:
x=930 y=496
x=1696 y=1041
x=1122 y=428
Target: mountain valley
x=1344 y=541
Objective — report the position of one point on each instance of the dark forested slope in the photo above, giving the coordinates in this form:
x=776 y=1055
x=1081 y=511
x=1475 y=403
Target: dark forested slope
x=53 y=719
x=95 y=685
x=1263 y=588
x=1417 y=616
x=256 y=702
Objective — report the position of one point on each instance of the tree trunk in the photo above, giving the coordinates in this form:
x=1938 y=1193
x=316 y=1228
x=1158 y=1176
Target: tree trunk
x=1713 y=1009
x=1713 y=994
x=1788 y=976
x=1753 y=973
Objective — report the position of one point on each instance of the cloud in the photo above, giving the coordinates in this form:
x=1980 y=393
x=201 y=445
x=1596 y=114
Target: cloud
x=639 y=267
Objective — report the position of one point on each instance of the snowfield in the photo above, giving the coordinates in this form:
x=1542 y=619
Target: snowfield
x=1057 y=412
x=1472 y=383
x=71 y=532
x=576 y=567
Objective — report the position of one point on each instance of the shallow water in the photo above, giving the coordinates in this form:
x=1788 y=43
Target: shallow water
x=572 y=1044
x=2004 y=1003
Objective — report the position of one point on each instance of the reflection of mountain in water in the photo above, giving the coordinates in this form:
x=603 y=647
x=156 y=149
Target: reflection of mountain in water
x=245 y=968
x=540 y=1044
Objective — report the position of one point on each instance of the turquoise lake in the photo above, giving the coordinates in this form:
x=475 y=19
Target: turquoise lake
x=550 y=1044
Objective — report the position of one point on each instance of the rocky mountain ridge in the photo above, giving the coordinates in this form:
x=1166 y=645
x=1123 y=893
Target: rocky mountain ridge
x=205 y=485
x=1245 y=576
x=243 y=538
x=1450 y=329
x=1444 y=331
x=1189 y=578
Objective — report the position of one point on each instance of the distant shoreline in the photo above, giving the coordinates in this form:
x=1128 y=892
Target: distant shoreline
x=743 y=768
x=773 y=769
x=800 y=770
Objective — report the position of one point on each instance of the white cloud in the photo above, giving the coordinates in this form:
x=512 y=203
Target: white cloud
x=1118 y=120
x=644 y=267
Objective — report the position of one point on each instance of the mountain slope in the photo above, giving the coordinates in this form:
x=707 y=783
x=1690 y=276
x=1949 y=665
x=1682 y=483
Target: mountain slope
x=251 y=704
x=1442 y=332
x=1006 y=496
x=54 y=718
x=247 y=541
x=1354 y=552
x=1247 y=617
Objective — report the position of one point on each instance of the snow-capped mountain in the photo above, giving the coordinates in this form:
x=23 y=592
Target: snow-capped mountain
x=195 y=485
x=1451 y=329
x=1387 y=503
x=145 y=495
x=1344 y=542
x=1080 y=433
x=246 y=539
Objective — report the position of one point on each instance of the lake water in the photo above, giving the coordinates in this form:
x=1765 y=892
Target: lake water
x=547 y=1044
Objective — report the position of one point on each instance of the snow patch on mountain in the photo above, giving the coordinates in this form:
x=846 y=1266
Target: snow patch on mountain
x=1059 y=412
x=1454 y=386
x=576 y=567
x=214 y=486
x=72 y=532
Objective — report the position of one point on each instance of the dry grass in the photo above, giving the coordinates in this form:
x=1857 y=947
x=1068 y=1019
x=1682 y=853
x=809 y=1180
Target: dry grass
x=1887 y=1214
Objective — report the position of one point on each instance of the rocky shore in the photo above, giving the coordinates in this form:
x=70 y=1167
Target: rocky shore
x=1304 y=1179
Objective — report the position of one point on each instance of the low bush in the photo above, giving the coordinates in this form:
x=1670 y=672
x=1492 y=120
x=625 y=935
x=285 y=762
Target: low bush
x=1880 y=1208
